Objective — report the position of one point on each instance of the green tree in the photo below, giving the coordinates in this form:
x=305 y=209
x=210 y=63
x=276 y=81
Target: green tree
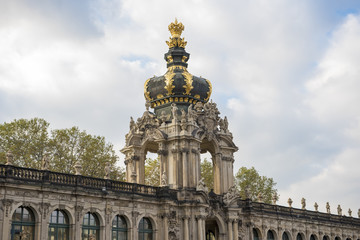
x=29 y=140
x=207 y=173
x=152 y=172
x=249 y=180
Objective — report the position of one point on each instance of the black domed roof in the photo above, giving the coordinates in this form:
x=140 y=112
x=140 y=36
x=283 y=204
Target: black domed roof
x=177 y=85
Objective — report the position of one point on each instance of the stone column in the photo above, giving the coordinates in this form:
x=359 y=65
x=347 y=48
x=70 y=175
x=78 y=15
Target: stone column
x=218 y=181
x=166 y=228
x=230 y=230
x=186 y=228
x=236 y=229
x=184 y=152
x=201 y=227
x=174 y=168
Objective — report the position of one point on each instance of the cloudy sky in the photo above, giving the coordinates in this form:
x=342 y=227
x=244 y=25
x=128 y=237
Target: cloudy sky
x=286 y=73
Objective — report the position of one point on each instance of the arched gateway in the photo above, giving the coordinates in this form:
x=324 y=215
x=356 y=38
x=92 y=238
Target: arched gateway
x=184 y=124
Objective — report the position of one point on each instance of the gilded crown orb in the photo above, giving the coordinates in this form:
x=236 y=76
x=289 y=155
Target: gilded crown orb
x=176 y=29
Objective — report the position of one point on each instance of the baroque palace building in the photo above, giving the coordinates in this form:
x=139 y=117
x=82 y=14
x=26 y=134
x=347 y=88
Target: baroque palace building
x=41 y=204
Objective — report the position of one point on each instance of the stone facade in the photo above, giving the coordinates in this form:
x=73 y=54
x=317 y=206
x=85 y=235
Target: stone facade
x=174 y=213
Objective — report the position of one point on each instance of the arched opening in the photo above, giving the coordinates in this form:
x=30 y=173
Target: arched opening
x=285 y=236
x=119 y=228
x=145 y=229
x=299 y=237
x=270 y=235
x=151 y=164
x=256 y=234
x=207 y=169
x=23 y=224
x=211 y=229
x=337 y=238
x=90 y=227
x=59 y=225
x=326 y=237
x=313 y=237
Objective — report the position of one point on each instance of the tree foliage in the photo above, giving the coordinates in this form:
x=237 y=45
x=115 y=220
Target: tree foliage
x=152 y=172
x=29 y=140
x=207 y=173
x=250 y=181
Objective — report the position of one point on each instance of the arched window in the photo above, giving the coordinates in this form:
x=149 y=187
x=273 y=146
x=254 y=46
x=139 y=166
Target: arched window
x=59 y=226
x=285 y=236
x=145 y=229
x=299 y=237
x=255 y=234
x=90 y=227
x=312 y=237
x=337 y=238
x=325 y=237
x=270 y=235
x=119 y=228
x=23 y=224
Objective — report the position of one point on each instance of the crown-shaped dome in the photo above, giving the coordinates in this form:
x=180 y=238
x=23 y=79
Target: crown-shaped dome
x=177 y=85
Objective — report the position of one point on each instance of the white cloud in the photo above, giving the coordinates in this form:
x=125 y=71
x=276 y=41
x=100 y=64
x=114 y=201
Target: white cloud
x=85 y=64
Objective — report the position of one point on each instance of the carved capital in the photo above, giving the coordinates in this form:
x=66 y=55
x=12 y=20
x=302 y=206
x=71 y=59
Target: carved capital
x=184 y=150
x=162 y=152
x=7 y=206
x=135 y=157
x=194 y=150
x=78 y=211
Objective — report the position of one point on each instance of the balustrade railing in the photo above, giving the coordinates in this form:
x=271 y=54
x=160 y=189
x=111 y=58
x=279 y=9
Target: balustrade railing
x=47 y=177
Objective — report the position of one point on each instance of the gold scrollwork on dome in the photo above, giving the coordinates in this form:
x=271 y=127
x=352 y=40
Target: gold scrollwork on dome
x=209 y=92
x=184 y=58
x=146 y=93
x=170 y=59
x=176 y=42
x=188 y=80
x=169 y=79
x=172 y=68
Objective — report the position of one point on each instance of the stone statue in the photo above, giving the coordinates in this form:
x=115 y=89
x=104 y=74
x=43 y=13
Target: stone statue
x=350 y=212
x=303 y=203
x=107 y=170
x=147 y=105
x=183 y=120
x=198 y=107
x=163 y=179
x=174 y=111
x=77 y=168
x=316 y=206
x=45 y=162
x=201 y=186
x=230 y=195
x=191 y=114
x=163 y=117
x=132 y=123
x=339 y=210
x=9 y=158
x=328 y=207
x=290 y=201
x=222 y=125
x=275 y=198
x=226 y=124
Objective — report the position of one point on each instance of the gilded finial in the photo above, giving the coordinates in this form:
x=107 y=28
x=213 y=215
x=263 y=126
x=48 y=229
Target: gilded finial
x=176 y=29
